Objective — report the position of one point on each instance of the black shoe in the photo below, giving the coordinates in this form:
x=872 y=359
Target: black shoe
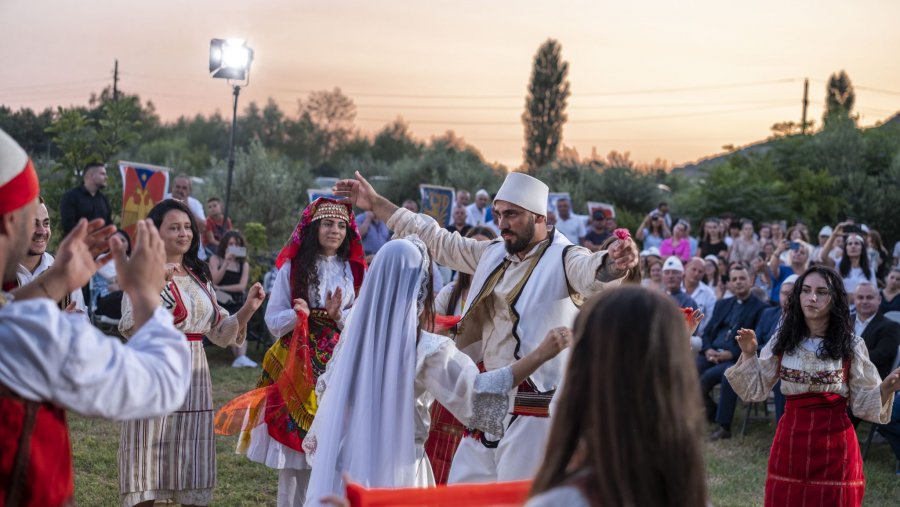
x=720 y=434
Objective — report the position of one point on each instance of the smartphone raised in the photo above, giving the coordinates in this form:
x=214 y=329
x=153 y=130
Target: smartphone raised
x=237 y=251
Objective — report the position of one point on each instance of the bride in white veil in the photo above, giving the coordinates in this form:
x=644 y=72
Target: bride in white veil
x=372 y=420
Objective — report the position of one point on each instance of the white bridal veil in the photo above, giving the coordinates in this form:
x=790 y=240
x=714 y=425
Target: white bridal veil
x=365 y=422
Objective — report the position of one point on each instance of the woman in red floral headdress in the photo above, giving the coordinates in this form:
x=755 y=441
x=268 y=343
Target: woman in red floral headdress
x=320 y=270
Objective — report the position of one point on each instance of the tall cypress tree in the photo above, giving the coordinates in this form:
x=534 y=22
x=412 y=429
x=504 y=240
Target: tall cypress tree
x=839 y=99
x=545 y=106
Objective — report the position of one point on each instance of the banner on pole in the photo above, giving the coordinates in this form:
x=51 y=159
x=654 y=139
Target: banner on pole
x=608 y=209
x=437 y=202
x=143 y=186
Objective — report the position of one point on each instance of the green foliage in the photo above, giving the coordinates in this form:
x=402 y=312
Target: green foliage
x=545 y=106
x=258 y=252
x=267 y=189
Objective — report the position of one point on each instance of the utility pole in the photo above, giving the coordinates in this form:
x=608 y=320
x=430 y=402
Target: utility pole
x=805 y=104
x=116 y=82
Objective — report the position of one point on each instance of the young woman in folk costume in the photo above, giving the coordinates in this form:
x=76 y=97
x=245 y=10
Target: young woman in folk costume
x=320 y=270
x=823 y=369
x=174 y=456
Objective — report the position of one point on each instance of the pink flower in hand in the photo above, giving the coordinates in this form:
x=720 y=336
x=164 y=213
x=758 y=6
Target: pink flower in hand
x=622 y=234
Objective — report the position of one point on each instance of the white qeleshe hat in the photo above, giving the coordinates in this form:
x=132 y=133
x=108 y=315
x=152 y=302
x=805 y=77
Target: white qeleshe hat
x=673 y=264
x=18 y=180
x=525 y=191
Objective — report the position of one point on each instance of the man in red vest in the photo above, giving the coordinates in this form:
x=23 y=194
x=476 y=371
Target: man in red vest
x=53 y=361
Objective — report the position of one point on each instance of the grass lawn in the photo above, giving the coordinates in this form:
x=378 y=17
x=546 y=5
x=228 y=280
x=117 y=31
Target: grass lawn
x=736 y=467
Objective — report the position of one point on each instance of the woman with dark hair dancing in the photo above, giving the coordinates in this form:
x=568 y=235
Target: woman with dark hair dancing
x=630 y=344
x=320 y=270
x=174 y=456
x=823 y=368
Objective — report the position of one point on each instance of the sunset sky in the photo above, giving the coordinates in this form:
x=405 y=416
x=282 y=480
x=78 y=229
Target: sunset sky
x=659 y=79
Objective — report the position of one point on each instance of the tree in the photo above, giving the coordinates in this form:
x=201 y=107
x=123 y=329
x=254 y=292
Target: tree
x=333 y=114
x=839 y=99
x=545 y=106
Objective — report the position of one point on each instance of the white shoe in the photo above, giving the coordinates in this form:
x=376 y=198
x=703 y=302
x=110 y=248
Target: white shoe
x=243 y=362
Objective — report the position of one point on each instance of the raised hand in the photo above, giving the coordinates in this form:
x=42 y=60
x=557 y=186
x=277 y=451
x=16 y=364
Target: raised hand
x=333 y=303
x=694 y=320
x=746 y=339
x=358 y=191
x=623 y=255
x=556 y=341
x=78 y=250
x=144 y=273
x=301 y=306
x=255 y=297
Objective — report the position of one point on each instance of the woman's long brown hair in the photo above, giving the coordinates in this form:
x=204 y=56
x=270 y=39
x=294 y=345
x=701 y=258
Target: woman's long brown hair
x=629 y=416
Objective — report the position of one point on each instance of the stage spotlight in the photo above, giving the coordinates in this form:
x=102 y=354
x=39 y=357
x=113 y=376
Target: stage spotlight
x=229 y=59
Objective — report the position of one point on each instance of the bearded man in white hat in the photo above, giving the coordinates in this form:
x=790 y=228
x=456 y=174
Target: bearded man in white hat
x=523 y=286
x=53 y=361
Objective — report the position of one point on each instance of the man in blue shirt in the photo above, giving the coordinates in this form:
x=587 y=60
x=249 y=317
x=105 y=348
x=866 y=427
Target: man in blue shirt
x=374 y=232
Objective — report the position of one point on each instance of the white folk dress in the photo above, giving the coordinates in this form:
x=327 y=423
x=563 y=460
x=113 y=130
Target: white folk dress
x=174 y=456
x=479 y=400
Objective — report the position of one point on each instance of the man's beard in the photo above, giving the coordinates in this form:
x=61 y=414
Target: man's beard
x=521 y=242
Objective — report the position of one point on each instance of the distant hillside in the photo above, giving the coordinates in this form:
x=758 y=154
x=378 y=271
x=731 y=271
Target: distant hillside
x=701 y=166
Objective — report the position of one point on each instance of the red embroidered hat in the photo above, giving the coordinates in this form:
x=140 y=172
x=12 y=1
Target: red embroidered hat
x=18 y=180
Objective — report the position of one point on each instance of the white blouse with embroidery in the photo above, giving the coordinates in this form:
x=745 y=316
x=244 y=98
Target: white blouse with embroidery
x=333 y=273
x=802 y=372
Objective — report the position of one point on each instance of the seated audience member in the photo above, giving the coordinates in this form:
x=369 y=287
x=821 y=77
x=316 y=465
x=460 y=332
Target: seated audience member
x=712 y=242
x=479 y=211
x=568 y=223
x=216 y=227
x=702 y=294
x=106 y=289
x=230 y=276
x=816 y=255
x=759 y=273
x=798 y=258
x=598 y=232
x=678 y=244
x=882 y=335
x=652 y=279
x=673 y=276
x=853 y=262
x=462 y=199
x=459 y=224
x=744 y=248
x=597 y=456
x=879 y=258
x=653 y=230
x=720 y=350
x=889 y=300
x=37 y=260
x=713 y=275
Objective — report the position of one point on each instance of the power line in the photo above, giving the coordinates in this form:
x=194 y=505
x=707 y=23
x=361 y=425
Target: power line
x=597 y=120
x=67 y=84
x=877 y=90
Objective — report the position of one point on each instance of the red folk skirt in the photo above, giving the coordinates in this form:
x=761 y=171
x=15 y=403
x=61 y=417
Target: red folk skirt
x=443 y=439
x=815 y=457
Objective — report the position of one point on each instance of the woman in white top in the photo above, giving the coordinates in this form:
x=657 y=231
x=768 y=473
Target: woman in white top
x=373 y=418
x=853 y=263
